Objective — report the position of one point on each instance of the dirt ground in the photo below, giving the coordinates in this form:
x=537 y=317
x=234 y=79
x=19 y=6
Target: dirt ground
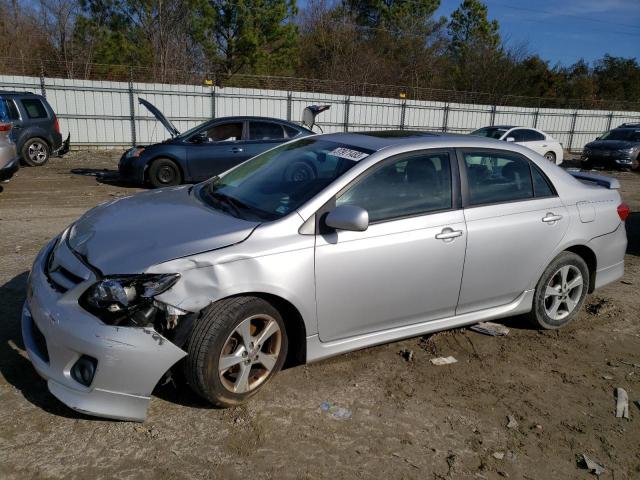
x=409 y=419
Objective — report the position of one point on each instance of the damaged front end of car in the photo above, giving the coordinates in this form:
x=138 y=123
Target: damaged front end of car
x=101 y=342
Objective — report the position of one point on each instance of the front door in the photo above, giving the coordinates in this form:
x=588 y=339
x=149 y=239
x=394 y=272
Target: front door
x=514 y=221
x=216 y=148
x=406 y=267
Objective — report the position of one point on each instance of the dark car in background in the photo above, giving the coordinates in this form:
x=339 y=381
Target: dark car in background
x=618 y=148
x=208 y=149
x=36 y=131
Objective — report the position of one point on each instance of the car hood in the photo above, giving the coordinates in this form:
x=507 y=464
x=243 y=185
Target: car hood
x=173 y=131
x=611 y=144
x=131 y=234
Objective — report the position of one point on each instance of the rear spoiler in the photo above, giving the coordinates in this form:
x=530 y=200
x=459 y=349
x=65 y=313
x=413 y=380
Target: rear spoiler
x=607 y=182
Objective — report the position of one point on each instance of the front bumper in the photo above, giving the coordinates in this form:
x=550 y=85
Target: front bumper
x=130 y=361
x=130 y=169
x=607 y=158
x=9 y=169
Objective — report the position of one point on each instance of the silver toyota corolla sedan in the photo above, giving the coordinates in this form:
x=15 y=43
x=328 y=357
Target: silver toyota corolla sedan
x=320 y=246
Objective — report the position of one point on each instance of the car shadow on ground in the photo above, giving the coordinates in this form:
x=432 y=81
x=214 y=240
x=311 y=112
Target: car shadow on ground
x=106 y=176
x=15 y=366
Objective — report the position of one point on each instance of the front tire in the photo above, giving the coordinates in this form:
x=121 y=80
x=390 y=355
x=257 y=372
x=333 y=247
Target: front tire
x=234 y=350
x=35 y=152
x=164 y=173
x=560 y=292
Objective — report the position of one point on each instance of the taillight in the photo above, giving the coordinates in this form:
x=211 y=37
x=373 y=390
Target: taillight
x=623 y=211
x=56 y=125
x=5 y=127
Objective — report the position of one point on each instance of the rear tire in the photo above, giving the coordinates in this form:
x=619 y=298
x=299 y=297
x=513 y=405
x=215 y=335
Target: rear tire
x=35 y=152
x=560 y=292
x=234 y=350
x=164 y=173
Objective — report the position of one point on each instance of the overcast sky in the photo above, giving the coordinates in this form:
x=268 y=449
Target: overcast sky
x=563 y=31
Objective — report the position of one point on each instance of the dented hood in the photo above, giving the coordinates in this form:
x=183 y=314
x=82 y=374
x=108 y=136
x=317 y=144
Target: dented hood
x=131 y=234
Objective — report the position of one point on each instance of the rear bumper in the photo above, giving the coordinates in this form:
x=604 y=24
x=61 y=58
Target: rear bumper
x=57 y=332
x=9 y=169
x=64 y=148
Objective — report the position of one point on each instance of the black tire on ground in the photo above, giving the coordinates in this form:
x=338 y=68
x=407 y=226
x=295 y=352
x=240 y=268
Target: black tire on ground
x=210 y=337
x=35 y=152
x=539 y=316
x=551 y=157
x=164 y=173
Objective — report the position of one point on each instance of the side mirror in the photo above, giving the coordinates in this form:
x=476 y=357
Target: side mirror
x=200 y=137
x=348 y=217
x=511 y=139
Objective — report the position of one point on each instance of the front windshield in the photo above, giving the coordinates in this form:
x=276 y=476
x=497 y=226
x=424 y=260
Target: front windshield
x=491 y=132
x=190 y=131
x=622 y=134
x=277 y=182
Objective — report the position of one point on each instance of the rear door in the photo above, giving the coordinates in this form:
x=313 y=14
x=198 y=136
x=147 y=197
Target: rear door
x=532 y=139
x=216 y=148
x=263 y=135
x=406 y=267
x=514 y=219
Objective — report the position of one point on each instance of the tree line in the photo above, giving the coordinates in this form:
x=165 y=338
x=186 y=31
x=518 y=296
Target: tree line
x=384 y=42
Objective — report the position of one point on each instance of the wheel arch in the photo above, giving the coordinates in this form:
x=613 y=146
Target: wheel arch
x=590 y=259
x=294 y=323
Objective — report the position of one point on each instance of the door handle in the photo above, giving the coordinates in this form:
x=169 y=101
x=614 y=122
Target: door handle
x=448 y=234
x=237 y=150
x=551 y=218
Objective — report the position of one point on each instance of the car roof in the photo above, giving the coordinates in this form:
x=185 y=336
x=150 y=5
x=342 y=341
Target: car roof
x=377 y=140
x=18 y=94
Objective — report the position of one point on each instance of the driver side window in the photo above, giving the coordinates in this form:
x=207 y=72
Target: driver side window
x=224 y=132
x=408 y=186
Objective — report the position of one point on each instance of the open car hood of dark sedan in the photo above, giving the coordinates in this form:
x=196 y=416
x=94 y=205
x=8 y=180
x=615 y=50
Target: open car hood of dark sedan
x=131 y=234
x=173 y=131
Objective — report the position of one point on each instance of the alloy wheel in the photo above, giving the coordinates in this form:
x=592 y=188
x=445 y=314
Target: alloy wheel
x=563 y=292
x=250 y=353
x=37 y=152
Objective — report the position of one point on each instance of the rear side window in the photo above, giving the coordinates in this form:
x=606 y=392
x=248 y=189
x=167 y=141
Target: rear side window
x=291 y=132
x=526 y=135
x=497 y=177
x=405 y=187
x=34 y=108
x=541 y=186
x=265 y=131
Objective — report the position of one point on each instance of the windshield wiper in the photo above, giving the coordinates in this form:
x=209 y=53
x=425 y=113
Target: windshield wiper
x=228 y=202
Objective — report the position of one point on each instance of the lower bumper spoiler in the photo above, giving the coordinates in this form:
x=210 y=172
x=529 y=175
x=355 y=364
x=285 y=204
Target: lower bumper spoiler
x=64 y=148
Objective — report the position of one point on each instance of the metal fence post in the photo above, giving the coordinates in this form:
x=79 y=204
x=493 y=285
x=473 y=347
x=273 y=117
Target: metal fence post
x=132 y=112
x=403 y=113
x=347 y=102
x=445 y=118
x=213 y=100
x=609 y=121
x=535 y=118
x=289 y=102
x=573 y=129
x=43 y=88
x=493 y=115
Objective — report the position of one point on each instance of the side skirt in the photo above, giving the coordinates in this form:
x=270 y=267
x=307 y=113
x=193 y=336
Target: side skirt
x=318 y=350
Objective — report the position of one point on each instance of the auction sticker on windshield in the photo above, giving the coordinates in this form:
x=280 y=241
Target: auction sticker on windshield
x=348 y=153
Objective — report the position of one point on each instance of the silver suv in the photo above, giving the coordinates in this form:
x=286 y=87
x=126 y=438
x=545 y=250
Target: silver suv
x=320 y=246
x=9 y=160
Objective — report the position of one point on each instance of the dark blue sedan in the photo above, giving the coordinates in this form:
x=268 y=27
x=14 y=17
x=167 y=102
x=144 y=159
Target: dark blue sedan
x=208 y=149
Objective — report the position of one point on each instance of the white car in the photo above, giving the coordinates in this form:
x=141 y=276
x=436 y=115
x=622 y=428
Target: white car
x=532 y=138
